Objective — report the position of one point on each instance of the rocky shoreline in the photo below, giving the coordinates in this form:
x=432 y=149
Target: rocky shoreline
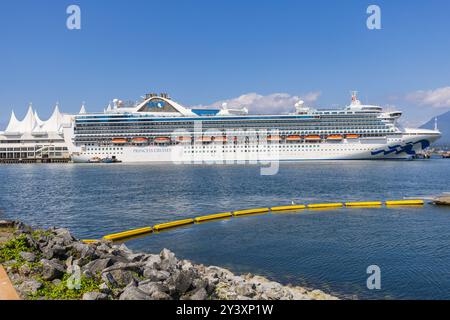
x=52 y=264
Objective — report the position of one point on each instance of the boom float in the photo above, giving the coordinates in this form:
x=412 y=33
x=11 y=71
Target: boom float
x=177 y=223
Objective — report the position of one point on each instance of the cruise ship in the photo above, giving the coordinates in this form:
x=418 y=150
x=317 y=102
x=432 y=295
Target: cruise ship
x=158 y=129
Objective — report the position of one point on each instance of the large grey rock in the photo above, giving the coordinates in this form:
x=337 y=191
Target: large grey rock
x=51 y=270
x=133 y=293
x=217 y=272
x=161 y=296
x=151 y=288
x=153 y=261
x=31 y=242
x=97 y=266
x=245 y=290
x=30 y=287
x=181 y=281
x=84 y=251
x=103 y=287
x=168 y=260
x=129 y=266
x=47 y=252
x=65 y=235
x=28 y=256
x=59 y=252
x=199 y=294
x=95 y=296
x=155 y=275
x=24 y=270
x=118 y=278
x=6 y=224
x=136 y=257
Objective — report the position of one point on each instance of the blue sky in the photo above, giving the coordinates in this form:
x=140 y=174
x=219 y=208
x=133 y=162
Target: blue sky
x=206 y=51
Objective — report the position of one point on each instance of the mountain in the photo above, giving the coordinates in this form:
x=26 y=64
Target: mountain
x=443 y=126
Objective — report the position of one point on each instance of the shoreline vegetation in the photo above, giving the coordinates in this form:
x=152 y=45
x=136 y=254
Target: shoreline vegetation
x=53 y=265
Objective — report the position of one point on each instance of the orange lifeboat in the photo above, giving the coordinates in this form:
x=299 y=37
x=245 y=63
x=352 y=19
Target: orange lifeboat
x=294 y=138
x=161 y=140
x=273 y=138
x=352 y=136
x=139 y=140
x=335 y=137
x=119 y=140
x=205 y=139
x=312 y=137
x=184 y=139
x=220 y=139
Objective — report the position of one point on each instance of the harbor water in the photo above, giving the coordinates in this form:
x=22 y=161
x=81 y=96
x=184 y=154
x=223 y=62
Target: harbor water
x=324 y=249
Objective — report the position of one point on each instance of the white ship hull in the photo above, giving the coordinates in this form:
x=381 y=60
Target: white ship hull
x=356 y=149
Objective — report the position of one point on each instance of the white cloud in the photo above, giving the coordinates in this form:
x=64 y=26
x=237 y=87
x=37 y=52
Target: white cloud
x=272 y=103
x=438 y=98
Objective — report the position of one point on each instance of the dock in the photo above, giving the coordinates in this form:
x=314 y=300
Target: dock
x=442 y=200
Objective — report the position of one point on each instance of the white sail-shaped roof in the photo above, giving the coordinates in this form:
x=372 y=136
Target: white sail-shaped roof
x=29 y=122
x=39 y=122
x=82 y=110
x=54 y=123
x=13 y=125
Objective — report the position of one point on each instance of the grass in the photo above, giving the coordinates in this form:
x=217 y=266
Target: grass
x=11 y=249
x=61 y=291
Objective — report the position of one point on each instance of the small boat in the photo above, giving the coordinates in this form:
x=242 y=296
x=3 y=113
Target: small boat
x=161 y=140
x=119 y=140
x=205 y=139
x=294 y=138
x=94 y=160
x=273 y=138
x=313 y=138
x=352 y=136
x=220 y=139
x=110 y=160
x=139 y=140
x=335 y=137
x=184 y=139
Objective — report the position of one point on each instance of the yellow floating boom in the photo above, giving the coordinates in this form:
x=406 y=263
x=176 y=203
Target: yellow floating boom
x=128 y=234
x=213 y=217
x=172 y=224
x=325 y=205
x=404 y=202
x=292 y=207
x=250 y=211
x=90 y=240
x=363 y=204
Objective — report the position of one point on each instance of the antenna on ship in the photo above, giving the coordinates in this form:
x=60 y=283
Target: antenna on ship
x=435 y=124
x=355 y=100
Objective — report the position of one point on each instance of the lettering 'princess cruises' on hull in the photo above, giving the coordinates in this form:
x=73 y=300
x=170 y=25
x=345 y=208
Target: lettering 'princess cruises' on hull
x=160 y=130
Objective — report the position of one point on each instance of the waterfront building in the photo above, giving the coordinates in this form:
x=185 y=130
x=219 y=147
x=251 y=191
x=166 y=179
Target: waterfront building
x=34 y=140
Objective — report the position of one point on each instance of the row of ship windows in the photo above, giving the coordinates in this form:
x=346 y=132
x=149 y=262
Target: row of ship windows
x=24 y=149
x=256 y=148
x=281 y=125
x=119 y=122
x=340 y=150
x=171 y=128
